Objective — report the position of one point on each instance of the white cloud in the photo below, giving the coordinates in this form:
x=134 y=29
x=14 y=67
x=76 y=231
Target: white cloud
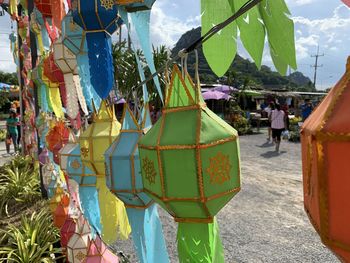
x=167 y=29
x=299 y=2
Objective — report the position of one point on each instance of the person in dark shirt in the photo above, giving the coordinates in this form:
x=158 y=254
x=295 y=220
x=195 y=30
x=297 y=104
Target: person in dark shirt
x=306 y=109
x=11 y=124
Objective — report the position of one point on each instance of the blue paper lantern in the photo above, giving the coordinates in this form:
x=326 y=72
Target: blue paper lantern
x=136 y=5
x=86 y=179
x=74 y=38
x=123 y=171
x=99 y=19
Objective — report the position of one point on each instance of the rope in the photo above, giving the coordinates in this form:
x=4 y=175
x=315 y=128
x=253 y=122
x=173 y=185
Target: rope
x=184 y=52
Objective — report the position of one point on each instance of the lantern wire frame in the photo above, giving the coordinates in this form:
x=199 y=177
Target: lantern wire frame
x=196 y=103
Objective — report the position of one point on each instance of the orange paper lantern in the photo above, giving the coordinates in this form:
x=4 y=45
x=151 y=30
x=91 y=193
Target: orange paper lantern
x=60 y=216
x=326 y=174
x=57 y=138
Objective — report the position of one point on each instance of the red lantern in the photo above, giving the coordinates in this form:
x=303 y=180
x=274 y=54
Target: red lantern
x=57 y=137
x=44 y=6
x=67 y=231
x=326 y=177
x=54 y=74
x=52 y=8
x=60 y=216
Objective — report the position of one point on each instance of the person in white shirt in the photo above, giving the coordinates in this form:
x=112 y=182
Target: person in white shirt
x=268 y=110
x=278 y=125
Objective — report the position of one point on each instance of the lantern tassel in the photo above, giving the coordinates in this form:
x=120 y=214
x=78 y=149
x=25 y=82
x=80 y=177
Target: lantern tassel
x=85 y=80
x=199 y=243
x=101 y=63
x=114 y=219
x=147 y=235
x=89 y=204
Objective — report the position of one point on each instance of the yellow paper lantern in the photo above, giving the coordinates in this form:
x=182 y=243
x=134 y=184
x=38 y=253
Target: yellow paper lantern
x=98 y=137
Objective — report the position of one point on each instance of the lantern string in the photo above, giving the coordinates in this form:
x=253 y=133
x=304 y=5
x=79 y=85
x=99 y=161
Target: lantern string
x=215 y=29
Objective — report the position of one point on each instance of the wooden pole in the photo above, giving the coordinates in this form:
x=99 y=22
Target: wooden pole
x=34 y=53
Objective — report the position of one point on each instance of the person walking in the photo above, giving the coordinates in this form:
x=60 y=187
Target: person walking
x=268 y=110
x=278 y=125
x=11 y=124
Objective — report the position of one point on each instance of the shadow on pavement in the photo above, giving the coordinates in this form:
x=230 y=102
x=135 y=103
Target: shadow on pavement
x=272 y=154
x=265 y=145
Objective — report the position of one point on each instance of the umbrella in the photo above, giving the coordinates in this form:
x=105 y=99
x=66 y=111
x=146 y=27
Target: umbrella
x=215 y=95
x=226 y=89
x=4 y=86
x=250 y=92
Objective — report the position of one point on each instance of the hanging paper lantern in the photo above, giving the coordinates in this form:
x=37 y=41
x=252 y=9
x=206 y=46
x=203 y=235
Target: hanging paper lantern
x=57 y=138
x=123 y=172
x=67 y=231
x=49 y=173
x=44 y=6
x=57 y=198
x=98 y=137
x=54 y=74
x=73 y=37
x=325 y=154
x=88 y=195
x=78 y=243
x=136 y=5
x=67 y=62
x=99 y=19
x=65 y=152
x=60 y=215
x=44 y=156
x=123 y=176
x=98 y=253
x=188 y=133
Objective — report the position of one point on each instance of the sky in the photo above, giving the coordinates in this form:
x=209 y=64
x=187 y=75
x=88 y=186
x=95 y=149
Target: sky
x=322 y=23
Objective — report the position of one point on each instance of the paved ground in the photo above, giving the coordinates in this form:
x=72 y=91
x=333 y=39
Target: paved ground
x=265 y=222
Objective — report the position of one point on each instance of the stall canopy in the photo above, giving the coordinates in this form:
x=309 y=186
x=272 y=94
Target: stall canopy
x=215 y=95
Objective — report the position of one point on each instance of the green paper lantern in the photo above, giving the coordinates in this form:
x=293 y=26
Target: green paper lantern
x=190 y=158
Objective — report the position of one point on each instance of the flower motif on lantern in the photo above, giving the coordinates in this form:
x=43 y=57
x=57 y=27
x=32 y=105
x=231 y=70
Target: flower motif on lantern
x=219 y=169
x=108 y=4
x=150 y=172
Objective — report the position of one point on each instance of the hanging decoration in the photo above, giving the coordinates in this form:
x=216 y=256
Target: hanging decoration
x=66 y=150
x=88 y=195
x=194 y=192
x=57 y=138
x=74 y=38
x=325 y=138
x=141 y=22
x=100 y=20
x=77 y=246
x=271 y=17
x=67 y=62
x=124 y=180
x=136 y=5
x=98 y=252
x=93 y=144
x=67 y=231
x=95 y=140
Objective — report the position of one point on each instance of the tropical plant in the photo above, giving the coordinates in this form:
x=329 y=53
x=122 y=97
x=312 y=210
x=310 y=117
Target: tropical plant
x=127 y=74
x=33 y=241
x=19 y=183
x=242 y=126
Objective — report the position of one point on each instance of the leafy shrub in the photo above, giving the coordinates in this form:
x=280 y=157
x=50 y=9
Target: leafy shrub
x=31 y=242
x=242 y=125
x=19 y=183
